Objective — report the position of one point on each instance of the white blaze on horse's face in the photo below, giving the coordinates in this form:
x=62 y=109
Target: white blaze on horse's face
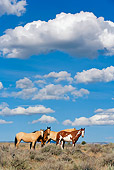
x=48 y=131
x=83 y=133
x=41 y=132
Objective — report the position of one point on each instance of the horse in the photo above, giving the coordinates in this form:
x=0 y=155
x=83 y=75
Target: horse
x=53 y=135
x=28 y=137
x=43 y=138
x=69 y=130
x=64 y=136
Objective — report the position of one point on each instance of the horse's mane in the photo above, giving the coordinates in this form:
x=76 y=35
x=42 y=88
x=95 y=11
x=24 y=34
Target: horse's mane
x=34 y=131
x=45 y=130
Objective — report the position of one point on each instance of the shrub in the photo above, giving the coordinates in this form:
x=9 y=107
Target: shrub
x=52 y=166
x=86 y=167
x=19 y=164
x=65 y=157
x=52 y=149
x=40 y=158
x=32 y=155
x=95 y=148
x=108 y=160
x=83 y=143
x=52 y=157
x=4 y=148
x=3 y=159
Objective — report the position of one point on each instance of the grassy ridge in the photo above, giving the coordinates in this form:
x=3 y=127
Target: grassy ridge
x=51 y=157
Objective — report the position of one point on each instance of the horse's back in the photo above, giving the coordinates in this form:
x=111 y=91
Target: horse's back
x=20 y=135
x=26 y=137
x=69 y=130
x=53 y=135
x=61 y=133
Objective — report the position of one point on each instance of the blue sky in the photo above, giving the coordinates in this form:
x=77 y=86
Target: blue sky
x=57 y=67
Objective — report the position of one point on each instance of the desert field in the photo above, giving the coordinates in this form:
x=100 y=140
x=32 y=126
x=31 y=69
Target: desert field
x=51 y=157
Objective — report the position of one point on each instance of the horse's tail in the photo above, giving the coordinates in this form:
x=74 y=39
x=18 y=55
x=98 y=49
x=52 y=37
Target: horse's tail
x=15 y=141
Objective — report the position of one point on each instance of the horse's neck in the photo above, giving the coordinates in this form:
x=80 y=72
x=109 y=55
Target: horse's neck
x=45 y=132
x=37 y=132
x=78 y=134
x=75 y=131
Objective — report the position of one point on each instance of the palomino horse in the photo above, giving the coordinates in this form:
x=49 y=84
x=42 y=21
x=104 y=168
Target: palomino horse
x=64 y=136
x=44 y=138
x=53 y=135
x=28 y=137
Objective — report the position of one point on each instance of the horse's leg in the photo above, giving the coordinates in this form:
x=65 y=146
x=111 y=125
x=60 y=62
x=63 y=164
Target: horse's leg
x=30 y=145
x=33 y=144
x=62 y=145
x=48 y=142
x=15 y=142
x=42 y=143
x=18 y=143
x=73 y=143
x=57 y=141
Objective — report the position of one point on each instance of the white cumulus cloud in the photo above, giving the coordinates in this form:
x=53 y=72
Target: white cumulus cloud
x=80 y=35
x=24 y=83
x=26 y=89
x=45 y=119
x=3 y=105
x=39 y=82
x=1 y=85
x=103 y=117
x=12 y=7
x=24 y=93
x=60 y=76
x=80 y=93
x=95 y=75
x=5 y=122
x=40 y=109
x=52 y=91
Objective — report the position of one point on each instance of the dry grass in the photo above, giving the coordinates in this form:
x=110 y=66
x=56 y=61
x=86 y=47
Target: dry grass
x=51 y=157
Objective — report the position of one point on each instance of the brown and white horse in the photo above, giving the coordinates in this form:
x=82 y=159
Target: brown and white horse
x=28 y=137
x=53 y=135
x=64 y=136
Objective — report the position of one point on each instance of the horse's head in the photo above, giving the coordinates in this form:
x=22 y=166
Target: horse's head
x=48 y=130
x=83 y=132
x=45 y=136
x=46 y=133
x=41 y=132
